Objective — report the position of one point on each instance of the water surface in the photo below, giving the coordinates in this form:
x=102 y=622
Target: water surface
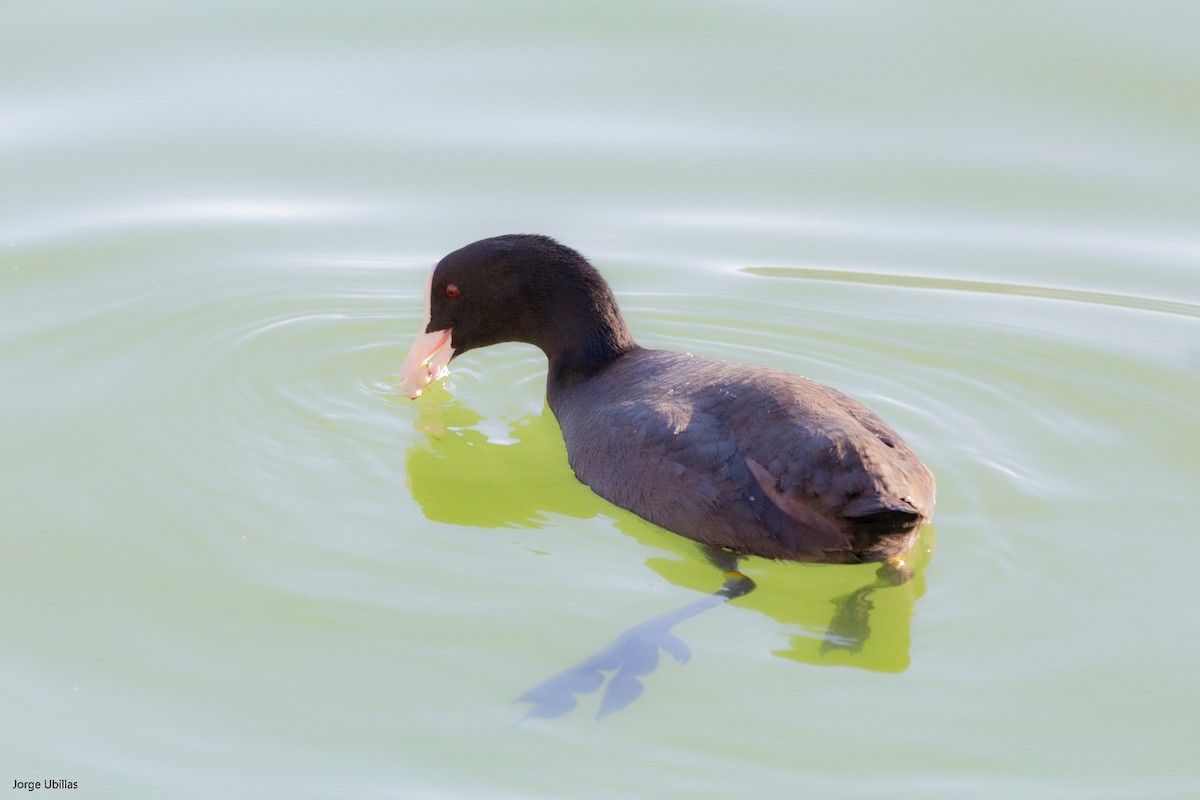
x=236 y=563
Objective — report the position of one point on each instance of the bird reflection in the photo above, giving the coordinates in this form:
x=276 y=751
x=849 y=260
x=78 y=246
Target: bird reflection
x=840 y=615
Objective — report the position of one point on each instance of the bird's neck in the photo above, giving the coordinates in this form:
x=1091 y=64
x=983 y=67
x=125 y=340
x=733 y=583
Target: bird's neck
x=587 y=352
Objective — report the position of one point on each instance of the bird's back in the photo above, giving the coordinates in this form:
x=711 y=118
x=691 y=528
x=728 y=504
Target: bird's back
x=747 y=458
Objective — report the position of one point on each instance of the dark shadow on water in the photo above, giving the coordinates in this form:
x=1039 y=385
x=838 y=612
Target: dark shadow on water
x=834 y=615
x=629 y=657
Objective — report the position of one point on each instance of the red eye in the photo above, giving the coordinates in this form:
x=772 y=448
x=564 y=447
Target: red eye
x=451 y=291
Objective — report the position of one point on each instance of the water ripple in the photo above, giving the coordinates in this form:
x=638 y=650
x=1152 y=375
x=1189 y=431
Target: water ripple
x=983 y=287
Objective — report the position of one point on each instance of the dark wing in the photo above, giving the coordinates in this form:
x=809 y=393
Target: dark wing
x=681 y=466
x=821 y=446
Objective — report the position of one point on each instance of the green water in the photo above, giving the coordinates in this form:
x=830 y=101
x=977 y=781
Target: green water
x=234 y=563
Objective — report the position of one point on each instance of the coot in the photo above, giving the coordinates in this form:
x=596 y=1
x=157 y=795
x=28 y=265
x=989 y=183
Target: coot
x=747 y=460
